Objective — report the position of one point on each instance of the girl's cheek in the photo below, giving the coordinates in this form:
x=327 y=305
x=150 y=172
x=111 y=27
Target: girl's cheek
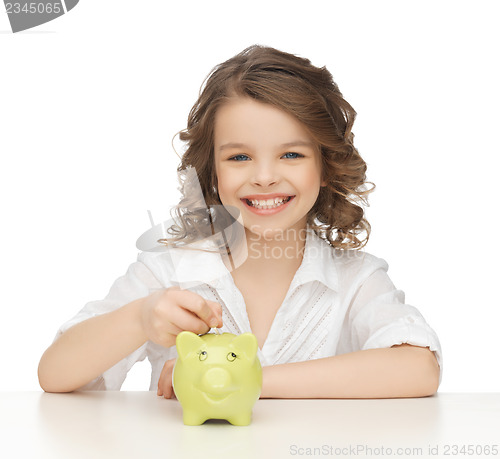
x=308 y=179
x=225 y=189
x=229 y=182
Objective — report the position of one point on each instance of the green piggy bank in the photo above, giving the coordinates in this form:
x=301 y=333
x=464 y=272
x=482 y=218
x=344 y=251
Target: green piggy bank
x=217 y=377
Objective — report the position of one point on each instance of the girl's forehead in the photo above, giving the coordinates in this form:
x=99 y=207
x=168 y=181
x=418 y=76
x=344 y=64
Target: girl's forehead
x=245 y=119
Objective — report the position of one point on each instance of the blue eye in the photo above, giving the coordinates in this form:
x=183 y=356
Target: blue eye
x=297 y=155
x=233 y=158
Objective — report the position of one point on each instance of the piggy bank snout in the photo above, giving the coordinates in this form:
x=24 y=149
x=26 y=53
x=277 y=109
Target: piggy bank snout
x=216 y=380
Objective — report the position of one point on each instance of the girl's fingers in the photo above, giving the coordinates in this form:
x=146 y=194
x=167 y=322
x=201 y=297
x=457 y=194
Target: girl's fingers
x=217 y=310
x=165 y=382
x=186 y=320
x=160 y=381
x=196 y=304
x=174 y=310
x=173 y=329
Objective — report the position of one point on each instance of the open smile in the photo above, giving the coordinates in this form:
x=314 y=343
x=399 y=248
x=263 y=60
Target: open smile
x=267 y=206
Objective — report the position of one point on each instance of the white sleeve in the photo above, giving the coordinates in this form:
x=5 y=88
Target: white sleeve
x=378 y=317
x=135 y=283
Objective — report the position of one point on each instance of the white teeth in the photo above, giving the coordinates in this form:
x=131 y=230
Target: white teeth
x=268 y=203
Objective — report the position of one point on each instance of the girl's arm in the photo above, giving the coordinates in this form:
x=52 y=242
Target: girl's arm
x=399 y=371
x=86 y=350
x=91 y=347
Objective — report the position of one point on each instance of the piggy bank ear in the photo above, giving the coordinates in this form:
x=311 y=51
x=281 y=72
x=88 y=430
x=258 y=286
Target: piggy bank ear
x=186 y=343
x=246 y=344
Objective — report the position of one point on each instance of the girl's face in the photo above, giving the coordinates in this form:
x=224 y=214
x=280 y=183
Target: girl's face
x=267 y=166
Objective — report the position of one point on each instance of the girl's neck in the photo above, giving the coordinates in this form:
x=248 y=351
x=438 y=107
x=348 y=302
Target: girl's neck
x=280 y=251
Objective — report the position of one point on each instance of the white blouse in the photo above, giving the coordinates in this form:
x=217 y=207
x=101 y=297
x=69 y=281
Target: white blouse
x=338 y=302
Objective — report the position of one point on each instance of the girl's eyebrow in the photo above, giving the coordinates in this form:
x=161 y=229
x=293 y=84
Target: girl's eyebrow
x=294 y=143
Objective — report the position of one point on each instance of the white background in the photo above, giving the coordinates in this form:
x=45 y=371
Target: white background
x=89 y=104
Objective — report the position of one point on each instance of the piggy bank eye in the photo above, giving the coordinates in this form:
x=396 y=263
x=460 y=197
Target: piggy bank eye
x=231 y=356
x=202 y=355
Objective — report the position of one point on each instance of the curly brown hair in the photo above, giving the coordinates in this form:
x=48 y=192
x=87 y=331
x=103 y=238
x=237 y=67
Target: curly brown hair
x=292 y=84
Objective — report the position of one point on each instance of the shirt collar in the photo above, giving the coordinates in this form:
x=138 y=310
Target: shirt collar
x=318 y=263
x=195 y=267
x=192 y=267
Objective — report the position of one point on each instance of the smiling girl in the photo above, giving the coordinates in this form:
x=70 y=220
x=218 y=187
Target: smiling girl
x=270 y=135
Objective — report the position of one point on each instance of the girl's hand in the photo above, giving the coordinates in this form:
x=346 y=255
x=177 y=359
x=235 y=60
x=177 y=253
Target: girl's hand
x=165 y=382
x=167 y=312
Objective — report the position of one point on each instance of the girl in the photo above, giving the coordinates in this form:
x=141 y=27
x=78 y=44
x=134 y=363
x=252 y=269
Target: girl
x=270 y=136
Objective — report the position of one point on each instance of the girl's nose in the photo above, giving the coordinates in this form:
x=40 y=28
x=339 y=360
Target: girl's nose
x=264 y=175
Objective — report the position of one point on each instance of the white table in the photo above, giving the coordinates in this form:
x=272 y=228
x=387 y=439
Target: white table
x=141 y=425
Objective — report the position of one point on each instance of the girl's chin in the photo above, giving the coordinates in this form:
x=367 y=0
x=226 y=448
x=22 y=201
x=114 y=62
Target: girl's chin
x=279 y=233
x=266 y=232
